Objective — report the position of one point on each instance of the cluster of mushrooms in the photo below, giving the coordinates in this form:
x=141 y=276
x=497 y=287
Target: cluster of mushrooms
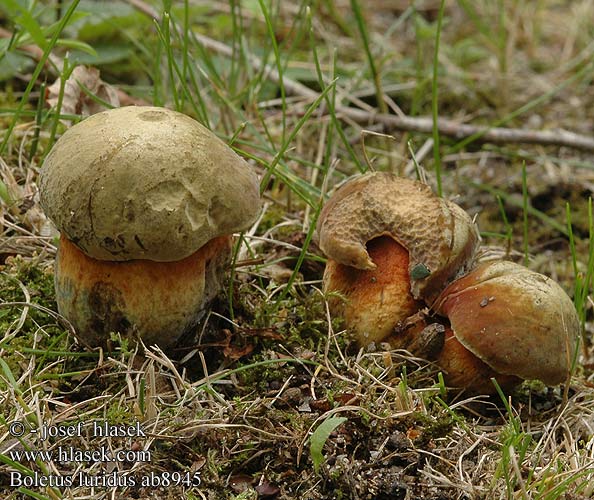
x=146 y=201
x=401 y=269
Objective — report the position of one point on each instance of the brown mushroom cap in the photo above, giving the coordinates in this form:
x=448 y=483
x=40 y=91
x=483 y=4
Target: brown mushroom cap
x=439 y=236
x=145 y=183
x=517 y=321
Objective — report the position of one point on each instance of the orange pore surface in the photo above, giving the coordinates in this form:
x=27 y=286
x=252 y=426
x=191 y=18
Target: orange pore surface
x=157 y=301
x=373 y=302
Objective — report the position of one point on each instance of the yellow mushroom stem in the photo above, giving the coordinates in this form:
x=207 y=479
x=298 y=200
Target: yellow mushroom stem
x=155 y=301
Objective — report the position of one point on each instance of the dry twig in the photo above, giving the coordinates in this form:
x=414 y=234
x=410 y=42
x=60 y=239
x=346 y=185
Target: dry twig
x=449 y=128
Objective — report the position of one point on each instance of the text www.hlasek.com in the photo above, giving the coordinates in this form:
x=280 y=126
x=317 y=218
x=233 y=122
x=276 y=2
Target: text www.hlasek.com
x=103 y=454
x=71 y=454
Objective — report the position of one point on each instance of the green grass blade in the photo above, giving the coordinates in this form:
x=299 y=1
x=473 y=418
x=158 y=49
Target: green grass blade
x=330 y=100
x=360 y=20
x=279 y=66
x=275 y=161
x=319 y=437
x=435 y=103
x=525 y=203
x=38 y=69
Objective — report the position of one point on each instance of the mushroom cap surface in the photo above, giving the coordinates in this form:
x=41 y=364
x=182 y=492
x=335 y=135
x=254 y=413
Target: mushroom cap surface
x=145 y=183
x=517 y=321
x=440 y=237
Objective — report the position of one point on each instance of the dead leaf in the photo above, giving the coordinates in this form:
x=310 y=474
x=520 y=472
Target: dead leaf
x=240 y=482
x=234 y=352
x=267 y=490
x=264 y=333
x=75 y=100
x=412 y=434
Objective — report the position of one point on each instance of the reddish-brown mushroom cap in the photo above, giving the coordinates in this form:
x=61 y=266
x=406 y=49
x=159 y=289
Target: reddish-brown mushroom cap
x=517 y=321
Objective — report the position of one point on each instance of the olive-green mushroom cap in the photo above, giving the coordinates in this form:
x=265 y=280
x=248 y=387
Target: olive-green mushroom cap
x=145 y=183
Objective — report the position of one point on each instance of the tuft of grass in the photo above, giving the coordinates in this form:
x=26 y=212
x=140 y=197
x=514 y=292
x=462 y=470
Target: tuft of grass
x=47 y=50
x=434 y=101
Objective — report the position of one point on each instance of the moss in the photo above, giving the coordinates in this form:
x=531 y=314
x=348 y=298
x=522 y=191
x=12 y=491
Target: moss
x=39 y=330
x=38 y=279
x=427 y=427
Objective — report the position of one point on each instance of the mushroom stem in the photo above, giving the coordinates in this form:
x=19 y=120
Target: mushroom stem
x=155 y=301
x=372 y=302
x=420 y=335
x=463 y=370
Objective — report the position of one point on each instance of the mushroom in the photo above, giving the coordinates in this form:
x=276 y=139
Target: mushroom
x=400 y=262
x=391 y=244
x=146 y=200
x=509 y=323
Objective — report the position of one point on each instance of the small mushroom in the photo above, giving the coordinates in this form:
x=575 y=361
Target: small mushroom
x=509 y=323
x=391 y=243
x=146 y=200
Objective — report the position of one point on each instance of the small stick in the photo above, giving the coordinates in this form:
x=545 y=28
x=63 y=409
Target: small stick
x=449 y=128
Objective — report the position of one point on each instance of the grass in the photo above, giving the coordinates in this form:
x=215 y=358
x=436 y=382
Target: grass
x=278 y=400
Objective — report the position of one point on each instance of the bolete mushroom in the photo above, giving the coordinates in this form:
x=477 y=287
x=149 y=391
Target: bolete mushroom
x=146 y=200
x=391 y=243
x=509 y=323
x=400 y=259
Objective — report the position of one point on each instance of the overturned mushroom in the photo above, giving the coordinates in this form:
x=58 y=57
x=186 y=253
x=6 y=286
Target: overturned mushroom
x=509 y=323
x=146 y=200
x=391 y=243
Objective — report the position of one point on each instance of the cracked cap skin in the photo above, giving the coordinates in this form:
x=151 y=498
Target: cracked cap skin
x=439 y=236
x=144 y=182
